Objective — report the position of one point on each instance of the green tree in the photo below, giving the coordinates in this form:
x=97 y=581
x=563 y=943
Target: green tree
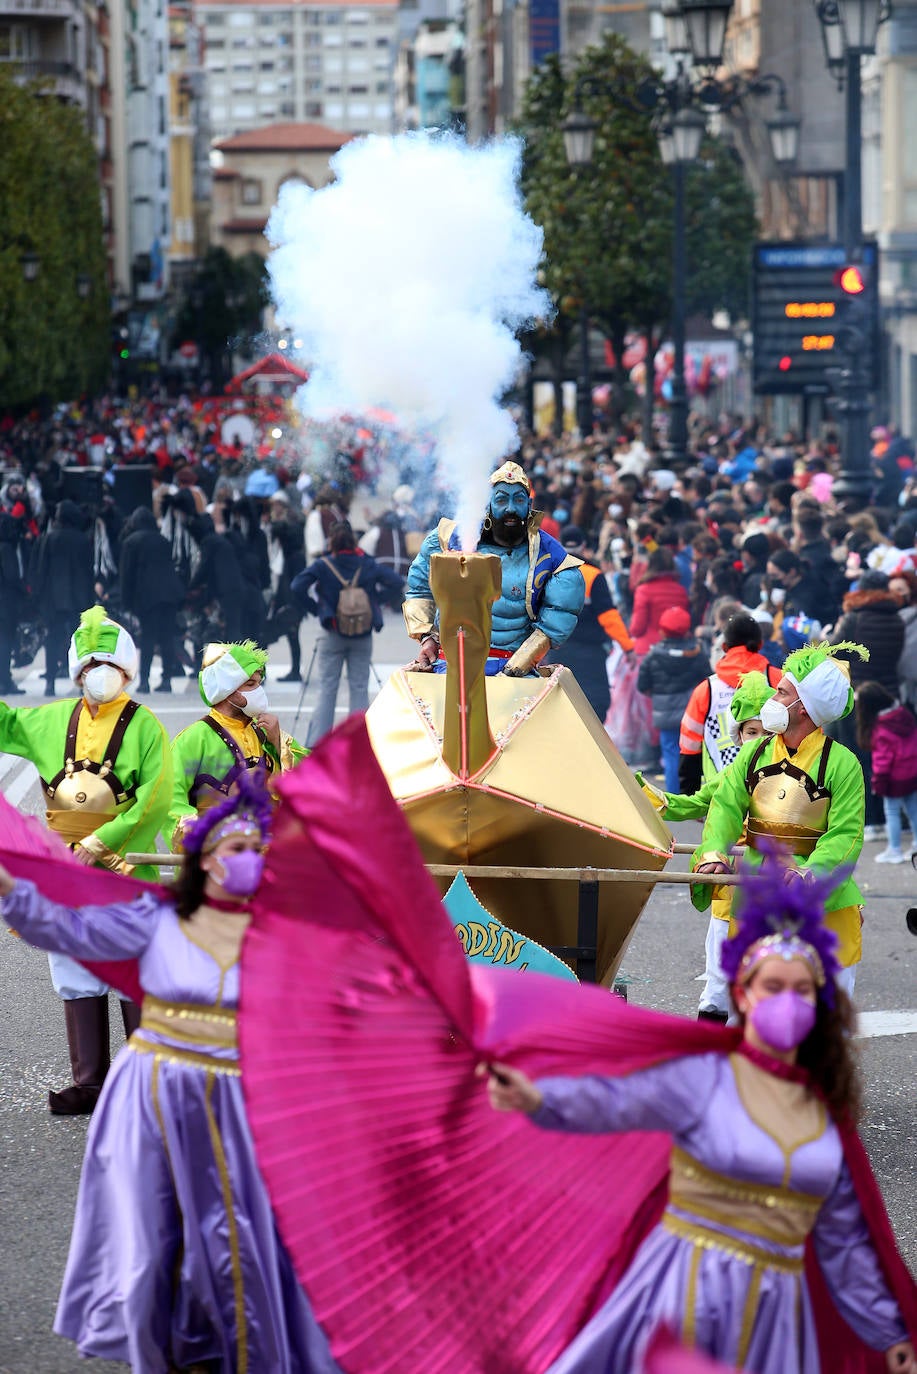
x=54 y=342
x=223 y=309
x=608 y=228
x=722 y=225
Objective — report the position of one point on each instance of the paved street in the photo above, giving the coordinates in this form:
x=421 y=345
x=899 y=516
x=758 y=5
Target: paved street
x=40 y=1155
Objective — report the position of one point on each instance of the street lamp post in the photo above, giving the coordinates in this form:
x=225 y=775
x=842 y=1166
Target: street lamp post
x=858 y=22
x=680 y=107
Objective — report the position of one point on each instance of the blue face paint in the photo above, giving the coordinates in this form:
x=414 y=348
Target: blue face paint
x=509 y=498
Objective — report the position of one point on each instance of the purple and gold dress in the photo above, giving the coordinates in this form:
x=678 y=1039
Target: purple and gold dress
x=174 y=1258
x=757 y=1166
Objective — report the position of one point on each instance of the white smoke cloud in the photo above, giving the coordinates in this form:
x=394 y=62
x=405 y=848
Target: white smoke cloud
x=405 y=279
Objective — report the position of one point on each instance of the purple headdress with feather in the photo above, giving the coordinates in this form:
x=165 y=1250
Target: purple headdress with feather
x=248 y=808
x=783 y=918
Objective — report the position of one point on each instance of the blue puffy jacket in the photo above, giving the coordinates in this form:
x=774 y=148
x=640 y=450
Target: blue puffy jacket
x=543 y=588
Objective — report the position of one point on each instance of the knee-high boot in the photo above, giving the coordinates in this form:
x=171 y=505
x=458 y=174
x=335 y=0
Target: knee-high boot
x=87 y=1037
x=130 y=1015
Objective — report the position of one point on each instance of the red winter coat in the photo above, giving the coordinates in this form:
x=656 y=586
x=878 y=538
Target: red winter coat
x=894 y=753
x=659 y=593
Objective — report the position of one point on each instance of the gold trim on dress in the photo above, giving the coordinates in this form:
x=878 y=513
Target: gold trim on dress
x=725 y=1185
x=238 y=1286
x=189 y=1058
x=789 y=1150
x=749 y=1312
x=690 y=1325
x=198 y=1024
x=706 y=1239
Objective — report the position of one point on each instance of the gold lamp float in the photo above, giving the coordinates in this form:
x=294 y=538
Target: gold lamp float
x=516 y=772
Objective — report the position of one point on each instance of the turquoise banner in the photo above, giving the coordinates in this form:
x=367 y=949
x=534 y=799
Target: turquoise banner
x=487 y=940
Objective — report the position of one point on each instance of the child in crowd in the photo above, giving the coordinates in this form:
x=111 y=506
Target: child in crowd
x=668 y=675
x=889 y=730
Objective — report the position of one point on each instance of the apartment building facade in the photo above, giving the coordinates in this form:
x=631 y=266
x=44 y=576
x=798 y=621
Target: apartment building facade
x=299 y=62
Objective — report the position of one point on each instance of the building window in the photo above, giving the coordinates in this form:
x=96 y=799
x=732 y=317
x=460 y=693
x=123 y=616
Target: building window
x=313 y=85
x=332 y=18
x=358 y=90
x=383 y=111
x=358 y=110
x=243 y=111
x=334 y=89
x=251 y=191
x=313 y=109
x=287 y=107
x=214 y=21
x=313 y=40
x=333 y=40
x=240 y=19
x=313 y=64
x=358 y=17
x=216 y=44
x=357 y=43
x=334 y=109
x=265 y=66
x=382 y=43
x=381 y=88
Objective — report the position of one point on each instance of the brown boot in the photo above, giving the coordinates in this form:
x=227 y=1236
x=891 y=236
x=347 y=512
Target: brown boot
x=87 y=1037
x=130 y=1015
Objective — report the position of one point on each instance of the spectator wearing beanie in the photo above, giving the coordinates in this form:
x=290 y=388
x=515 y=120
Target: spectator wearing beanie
x=671 y=670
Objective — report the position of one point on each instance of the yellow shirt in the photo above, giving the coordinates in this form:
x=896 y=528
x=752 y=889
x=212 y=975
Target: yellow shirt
x=242 y=731
x=94 y=732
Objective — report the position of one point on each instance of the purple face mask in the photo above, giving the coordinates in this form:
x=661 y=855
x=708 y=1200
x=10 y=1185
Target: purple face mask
x=241 y=872
x=783 y=1021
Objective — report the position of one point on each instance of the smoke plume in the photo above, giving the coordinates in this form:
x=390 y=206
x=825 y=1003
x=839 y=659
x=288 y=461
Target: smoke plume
x=405 y=279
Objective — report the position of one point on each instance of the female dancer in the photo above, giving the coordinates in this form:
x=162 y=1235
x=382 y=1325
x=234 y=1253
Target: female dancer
x=175 y=1261
x=757 y=1165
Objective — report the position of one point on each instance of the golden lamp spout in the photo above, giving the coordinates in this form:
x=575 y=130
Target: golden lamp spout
x=465 y=587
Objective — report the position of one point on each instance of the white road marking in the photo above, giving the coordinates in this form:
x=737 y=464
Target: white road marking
x=875 y=1023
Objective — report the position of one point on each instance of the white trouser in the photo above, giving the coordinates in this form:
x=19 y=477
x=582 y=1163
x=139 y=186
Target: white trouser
x=846 y=979
x=715 y=996
x=71 y=981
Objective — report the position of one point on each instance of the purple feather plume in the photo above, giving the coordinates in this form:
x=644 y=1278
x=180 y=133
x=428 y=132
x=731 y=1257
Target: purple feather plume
x=250 y=796
x=770 y=905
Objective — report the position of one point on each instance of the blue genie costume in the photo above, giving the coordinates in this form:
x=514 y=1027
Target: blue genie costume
x=543 y=588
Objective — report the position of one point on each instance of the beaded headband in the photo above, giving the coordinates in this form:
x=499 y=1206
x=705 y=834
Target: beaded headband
x=782 y=918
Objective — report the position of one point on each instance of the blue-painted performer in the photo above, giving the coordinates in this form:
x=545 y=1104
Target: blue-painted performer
x=543 y=588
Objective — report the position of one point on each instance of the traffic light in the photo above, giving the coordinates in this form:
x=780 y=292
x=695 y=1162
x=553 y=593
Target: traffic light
x=857 y=308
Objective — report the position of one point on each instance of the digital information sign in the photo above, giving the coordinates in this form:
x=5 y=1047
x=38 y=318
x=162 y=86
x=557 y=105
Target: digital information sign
x=799 y=313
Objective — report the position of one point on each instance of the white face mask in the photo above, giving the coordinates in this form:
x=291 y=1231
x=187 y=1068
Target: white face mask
x=775 y=717
x=778 y=596
x=103 y=683
x=255 y=702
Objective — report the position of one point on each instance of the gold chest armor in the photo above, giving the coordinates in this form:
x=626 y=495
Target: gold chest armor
x=84 y=794
x=787 y=804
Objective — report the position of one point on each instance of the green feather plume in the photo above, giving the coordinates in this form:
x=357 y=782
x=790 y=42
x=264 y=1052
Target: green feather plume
x=91 y=623
x=802 y=661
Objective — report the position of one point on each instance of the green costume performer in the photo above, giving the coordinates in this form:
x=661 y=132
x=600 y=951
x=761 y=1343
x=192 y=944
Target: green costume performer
x=106 y=772
x=209 y=755
x=744 y=724
x=808 y=796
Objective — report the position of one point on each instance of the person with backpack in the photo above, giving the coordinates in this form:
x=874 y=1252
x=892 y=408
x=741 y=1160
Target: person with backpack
x=349 y=590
